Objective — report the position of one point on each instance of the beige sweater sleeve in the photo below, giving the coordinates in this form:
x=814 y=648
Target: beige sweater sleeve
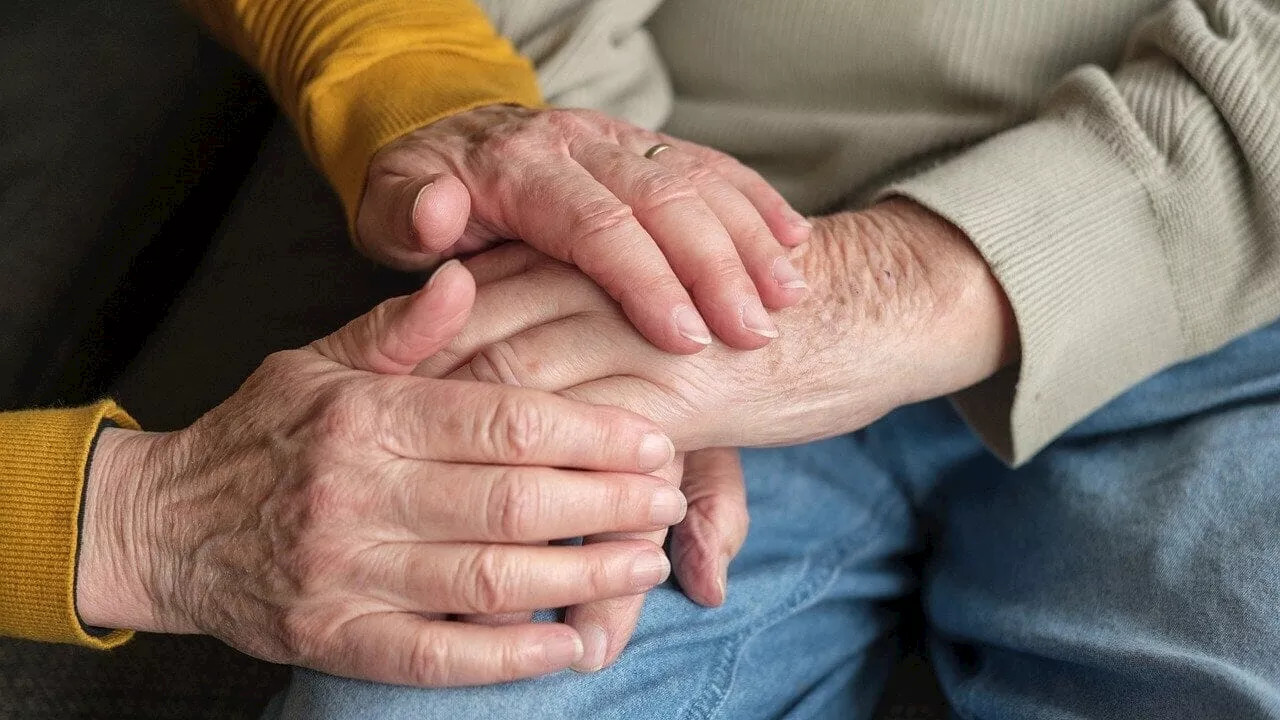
x=1134 y=224
x=590 y=54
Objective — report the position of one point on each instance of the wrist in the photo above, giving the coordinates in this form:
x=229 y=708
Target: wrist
x=964 y=327
x=902 y=308
x=114 y=566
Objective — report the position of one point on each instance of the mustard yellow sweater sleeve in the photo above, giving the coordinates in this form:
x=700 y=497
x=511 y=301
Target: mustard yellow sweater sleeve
x=356 y=74
x=43 y=458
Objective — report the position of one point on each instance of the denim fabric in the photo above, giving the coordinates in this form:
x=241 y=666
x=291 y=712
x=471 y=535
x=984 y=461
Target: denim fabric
x=1131 y=570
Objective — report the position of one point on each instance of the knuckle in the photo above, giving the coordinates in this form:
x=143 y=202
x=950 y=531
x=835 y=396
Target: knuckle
x=702 y=174
x=512 y=507
x=484 y=585
x=652 y=291
x=601 y=219
x=278 y=363
x=341 y=414
x=662 y=190
x=570 y=121
x=599 y=578
x=626 y=499
x=509 y=661
x=725 y=267
x=428 y=662
x=761 y=238
x=517 y=429
x=507 y=144
x=723 y=276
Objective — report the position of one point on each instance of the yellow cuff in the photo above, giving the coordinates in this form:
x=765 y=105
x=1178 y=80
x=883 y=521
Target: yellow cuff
x=44 y=456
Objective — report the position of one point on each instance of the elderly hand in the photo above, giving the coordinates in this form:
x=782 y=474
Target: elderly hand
x=334 y=510
x=902 y=308
x=576 y=185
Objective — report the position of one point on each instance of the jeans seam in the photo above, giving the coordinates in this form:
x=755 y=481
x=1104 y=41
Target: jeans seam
x=708 y=704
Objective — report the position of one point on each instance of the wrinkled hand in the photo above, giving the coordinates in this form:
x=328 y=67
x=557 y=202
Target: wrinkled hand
x=902 y=308
x=334 y=511
x=575 y=184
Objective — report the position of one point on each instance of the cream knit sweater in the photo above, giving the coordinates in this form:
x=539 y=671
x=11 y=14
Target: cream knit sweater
x=1117 y=162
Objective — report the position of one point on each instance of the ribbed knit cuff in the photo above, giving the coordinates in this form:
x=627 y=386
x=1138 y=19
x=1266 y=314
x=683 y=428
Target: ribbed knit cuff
x=44 y=455
x=1069 y=232
x=350 y=120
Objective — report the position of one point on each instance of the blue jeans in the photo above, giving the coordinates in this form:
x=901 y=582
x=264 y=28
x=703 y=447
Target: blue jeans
x=1131 y=570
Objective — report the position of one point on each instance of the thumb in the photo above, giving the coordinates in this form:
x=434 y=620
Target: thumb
x=412 y=222
x=715 y=527
x=401 y=332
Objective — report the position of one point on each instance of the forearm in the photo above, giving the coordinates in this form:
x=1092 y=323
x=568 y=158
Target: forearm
x=354 y=75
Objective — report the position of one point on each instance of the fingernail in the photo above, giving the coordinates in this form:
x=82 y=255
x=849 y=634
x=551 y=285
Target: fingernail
x=596 y=645
x=656 y=451
x=422 y=192
x=690 y=325
x=787 y=276
x=669 y=507
x=722 y=583
x=650 y=569
x=798 y=220
x=755 y=319
x=431 y=280
x=563 y=650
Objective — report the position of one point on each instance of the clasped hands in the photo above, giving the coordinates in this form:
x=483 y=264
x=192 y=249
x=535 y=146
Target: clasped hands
x=340 y=513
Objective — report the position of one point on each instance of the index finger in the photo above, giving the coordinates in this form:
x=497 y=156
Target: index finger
x=459 y=421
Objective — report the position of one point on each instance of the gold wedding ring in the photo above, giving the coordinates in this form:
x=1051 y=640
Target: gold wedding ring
x=652 y=152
